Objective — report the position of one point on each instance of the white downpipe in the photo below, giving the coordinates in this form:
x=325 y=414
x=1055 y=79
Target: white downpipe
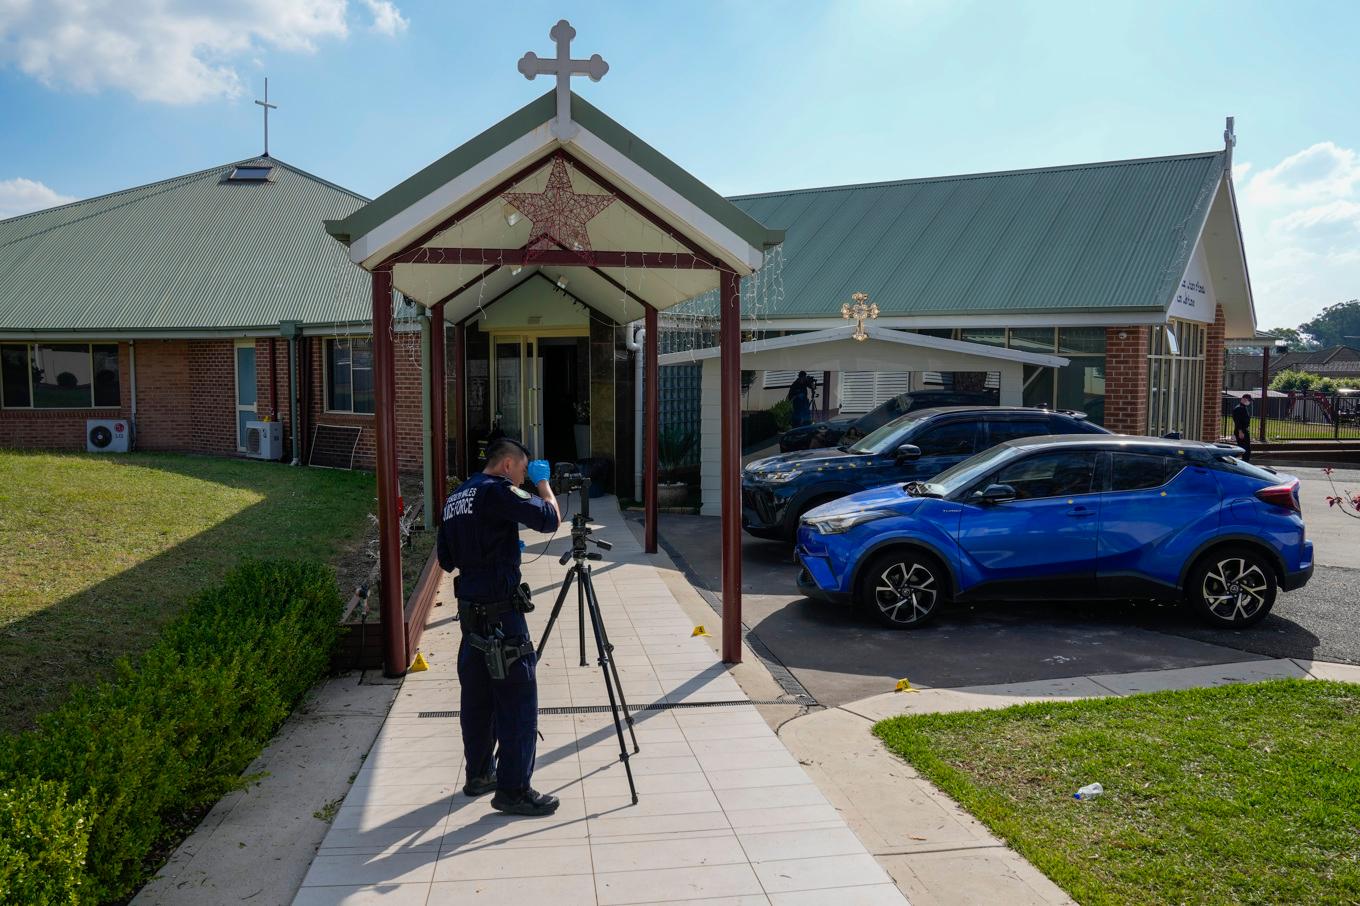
x=634 y=343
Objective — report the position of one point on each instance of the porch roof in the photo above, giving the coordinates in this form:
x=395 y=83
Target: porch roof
x=835 y=349
x=457 y=203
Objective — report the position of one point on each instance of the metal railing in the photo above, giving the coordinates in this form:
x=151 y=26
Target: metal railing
x=1301 y=415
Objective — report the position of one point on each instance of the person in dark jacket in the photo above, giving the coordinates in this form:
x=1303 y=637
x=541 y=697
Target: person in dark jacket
x=499 y=709
x=1241 y=416
x=801 y=392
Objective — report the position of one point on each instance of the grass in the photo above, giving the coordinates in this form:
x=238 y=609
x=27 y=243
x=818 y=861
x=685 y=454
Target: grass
x=1280 y=429
x=1238 y=794
x=99 y=552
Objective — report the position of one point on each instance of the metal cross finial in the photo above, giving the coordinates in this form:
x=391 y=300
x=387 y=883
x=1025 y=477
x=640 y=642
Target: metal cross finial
x=564 y=67
x=862 y=309
x=267 y=107
x=1229 y=142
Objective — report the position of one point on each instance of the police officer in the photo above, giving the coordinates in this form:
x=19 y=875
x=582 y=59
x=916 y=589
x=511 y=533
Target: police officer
x=1241 y=416
x=480 y=537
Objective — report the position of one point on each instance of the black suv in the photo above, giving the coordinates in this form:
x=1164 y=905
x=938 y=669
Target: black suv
x=777 y=490
x=852 y=428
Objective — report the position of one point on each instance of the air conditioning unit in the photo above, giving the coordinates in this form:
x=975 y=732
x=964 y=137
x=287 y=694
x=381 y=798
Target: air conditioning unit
x=264 y=440
x=108 y=435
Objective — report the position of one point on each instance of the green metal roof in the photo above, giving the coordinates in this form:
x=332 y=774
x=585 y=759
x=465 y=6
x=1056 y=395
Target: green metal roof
x=1100 y=237
x=193 y=252
x=527 y=118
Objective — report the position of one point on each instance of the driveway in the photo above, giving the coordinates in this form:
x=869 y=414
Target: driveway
x=840 y=655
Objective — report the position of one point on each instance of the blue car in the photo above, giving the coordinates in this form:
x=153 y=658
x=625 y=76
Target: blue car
x=777 y=490
x=1080 y=517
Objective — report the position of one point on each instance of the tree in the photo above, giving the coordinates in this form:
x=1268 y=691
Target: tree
x=1297 y=341
x=1337 y=325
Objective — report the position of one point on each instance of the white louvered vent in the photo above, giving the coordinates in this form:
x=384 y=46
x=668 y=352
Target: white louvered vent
x=861 y=391
x=776 y=379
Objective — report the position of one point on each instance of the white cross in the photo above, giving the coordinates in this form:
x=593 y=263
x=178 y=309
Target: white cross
x=267 y=107
x=564 y=67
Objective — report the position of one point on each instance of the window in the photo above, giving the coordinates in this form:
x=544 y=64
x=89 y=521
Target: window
x=250 y=174
x=1050 y=475
x=59 y=375
x=349 y=375
x=1176 y=378
x=1137 y=471
x=954 y=439
x=1014 y=430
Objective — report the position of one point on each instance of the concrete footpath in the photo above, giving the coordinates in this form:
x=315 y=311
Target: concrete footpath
x=726 y=815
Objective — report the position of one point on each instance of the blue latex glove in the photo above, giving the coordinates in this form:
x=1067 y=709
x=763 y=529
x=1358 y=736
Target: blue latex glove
x=539 y=470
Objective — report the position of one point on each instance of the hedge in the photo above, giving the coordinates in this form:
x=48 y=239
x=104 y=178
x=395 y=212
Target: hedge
x=125 y=761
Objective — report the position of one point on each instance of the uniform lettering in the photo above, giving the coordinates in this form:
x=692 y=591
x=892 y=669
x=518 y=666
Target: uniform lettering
x=460 y=504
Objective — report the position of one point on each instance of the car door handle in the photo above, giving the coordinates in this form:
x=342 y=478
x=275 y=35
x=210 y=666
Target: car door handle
x=1080 y=512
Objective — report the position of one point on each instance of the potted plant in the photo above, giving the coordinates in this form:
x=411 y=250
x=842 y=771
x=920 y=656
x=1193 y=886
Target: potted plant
x=674 y=446
x=582 y=428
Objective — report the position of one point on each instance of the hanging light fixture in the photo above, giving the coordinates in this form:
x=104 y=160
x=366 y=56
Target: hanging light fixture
x=512 y=216
x=562 y=281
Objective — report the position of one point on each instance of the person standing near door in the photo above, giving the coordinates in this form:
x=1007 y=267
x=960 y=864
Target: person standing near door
x=1241 y=416
x=801 y=392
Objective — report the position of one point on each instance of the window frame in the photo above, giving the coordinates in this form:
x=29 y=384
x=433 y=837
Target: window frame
x=1098 y=470
x=1110 y=471
x=326 y=375
x=30 y=345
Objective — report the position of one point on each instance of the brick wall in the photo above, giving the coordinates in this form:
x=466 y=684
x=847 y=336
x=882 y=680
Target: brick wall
x=1213 y=377
x=212 y=396
x=63 y=429
x=1126 y=379
x=410 y=447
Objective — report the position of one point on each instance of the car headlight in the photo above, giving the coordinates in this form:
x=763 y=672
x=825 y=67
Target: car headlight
x=844 y=522
x=782 y=475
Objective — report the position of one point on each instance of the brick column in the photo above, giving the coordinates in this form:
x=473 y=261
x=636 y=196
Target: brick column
x=1126 y=379
x=1212 y=426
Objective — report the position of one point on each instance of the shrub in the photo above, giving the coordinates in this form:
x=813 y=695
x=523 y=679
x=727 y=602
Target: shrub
x=43 y=840
x=783 y=415
x=1290 y=379
x=173 y=732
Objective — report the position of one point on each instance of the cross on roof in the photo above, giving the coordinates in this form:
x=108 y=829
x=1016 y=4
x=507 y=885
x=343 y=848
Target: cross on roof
x=564 y=67
x=267 y=107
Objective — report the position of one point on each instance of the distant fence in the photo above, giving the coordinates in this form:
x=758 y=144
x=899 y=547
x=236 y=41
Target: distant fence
x=1302 y=415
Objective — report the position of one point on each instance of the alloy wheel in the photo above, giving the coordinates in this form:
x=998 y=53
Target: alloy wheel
x=1235 y=589
x=910 y=586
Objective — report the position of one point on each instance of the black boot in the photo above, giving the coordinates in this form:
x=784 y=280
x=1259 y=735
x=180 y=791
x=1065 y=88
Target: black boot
x=530 y=803
x=480 y=786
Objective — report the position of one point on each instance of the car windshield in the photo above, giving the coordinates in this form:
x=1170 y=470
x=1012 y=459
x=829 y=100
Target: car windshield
x=958 y=477
x=882 y=414
x=886 y=437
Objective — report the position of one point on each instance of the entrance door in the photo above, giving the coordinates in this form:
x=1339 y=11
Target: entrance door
x=517 y=379
x=245 y=391
x=539 y=385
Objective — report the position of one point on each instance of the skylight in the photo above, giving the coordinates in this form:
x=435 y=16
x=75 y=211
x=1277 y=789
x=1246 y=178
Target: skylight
x=250 y=174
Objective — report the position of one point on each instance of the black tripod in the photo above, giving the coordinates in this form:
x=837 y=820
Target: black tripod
x=586 y=601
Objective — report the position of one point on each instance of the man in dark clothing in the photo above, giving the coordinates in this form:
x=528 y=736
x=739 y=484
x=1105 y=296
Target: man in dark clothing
x=800 y=394
x=1241 y=416
x=496 y=660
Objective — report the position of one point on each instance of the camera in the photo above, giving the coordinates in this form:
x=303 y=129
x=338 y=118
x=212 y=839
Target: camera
x=569 y=476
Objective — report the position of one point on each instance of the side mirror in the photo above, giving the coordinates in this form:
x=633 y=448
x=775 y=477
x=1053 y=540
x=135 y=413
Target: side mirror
x=995 y=493
x=907 y=451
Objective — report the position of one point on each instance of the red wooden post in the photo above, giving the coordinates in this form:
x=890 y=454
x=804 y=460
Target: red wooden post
x=390 y=598
x=730 y=395
x=438 y=411
x=651 y=418
x=460 y=465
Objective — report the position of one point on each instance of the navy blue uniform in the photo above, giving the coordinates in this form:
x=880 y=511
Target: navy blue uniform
x=480 y=536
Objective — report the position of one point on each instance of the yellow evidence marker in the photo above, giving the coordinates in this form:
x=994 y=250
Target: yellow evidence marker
x=698 y=631
x=904 y=685
x=419 y=663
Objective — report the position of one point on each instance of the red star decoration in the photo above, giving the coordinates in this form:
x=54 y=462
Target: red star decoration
x=559 y=214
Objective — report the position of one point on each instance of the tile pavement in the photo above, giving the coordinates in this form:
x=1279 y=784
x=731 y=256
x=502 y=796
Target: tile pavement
x=726 y=814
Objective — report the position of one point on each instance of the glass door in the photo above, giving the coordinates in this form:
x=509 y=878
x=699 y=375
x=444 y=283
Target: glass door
x=517 y=403
x=245 y=391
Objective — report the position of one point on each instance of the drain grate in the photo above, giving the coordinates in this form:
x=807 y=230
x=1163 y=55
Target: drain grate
x=654 y=706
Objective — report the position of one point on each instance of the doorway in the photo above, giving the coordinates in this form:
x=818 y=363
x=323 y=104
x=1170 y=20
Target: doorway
x=541 y=393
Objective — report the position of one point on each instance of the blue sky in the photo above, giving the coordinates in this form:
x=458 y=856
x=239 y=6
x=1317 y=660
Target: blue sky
x=747 y=96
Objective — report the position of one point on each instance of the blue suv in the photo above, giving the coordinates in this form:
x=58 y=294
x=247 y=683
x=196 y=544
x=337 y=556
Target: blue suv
x=778 y=490
x=1078 y=517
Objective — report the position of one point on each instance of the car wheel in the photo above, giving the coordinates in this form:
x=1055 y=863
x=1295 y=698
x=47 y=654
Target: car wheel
x=1233 y=587
x=903 y=589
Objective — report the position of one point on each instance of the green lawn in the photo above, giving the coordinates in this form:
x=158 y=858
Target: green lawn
x=1280 y=429
x=1239 y=794
x=98 y=552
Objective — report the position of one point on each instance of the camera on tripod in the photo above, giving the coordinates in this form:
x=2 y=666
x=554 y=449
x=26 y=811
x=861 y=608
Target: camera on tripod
x=569 y=477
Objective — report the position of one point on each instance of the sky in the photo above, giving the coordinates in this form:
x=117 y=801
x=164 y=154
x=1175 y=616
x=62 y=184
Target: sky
x=101 y=95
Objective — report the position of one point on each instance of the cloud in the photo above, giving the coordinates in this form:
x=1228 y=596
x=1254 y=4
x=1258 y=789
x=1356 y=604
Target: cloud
x=166 y=51
x=1301 y=225
x=387 y=19
x=21 y=196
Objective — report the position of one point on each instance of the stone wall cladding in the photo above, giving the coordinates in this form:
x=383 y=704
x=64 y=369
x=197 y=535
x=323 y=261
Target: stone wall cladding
x=1126 y=379
x=1213 y=377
